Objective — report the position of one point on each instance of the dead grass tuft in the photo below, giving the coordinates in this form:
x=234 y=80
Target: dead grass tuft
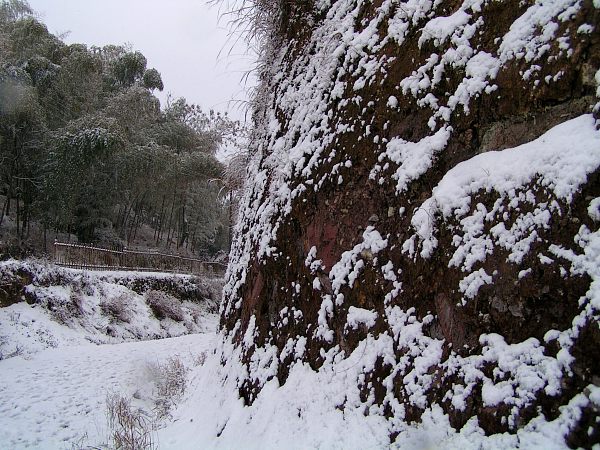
x=130 y=428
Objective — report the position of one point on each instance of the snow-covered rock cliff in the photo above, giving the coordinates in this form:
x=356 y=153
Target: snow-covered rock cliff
x=417 y=259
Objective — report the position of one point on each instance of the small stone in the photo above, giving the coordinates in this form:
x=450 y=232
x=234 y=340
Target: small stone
x=374 y=218
x=367 y=254
x=391 y=211
x=516 y=310
x=546 y=289
x=344 y=211
x=498 y=305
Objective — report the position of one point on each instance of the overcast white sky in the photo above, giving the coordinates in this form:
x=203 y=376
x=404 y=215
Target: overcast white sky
x=182 y=39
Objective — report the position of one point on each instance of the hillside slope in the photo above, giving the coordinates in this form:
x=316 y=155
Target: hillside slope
x=419 y=245
x=47 y=306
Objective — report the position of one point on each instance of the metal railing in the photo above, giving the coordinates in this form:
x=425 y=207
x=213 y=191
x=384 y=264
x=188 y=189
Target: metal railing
x=90 y=257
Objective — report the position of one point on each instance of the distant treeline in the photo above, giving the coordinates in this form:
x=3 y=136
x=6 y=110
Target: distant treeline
x=85 y=148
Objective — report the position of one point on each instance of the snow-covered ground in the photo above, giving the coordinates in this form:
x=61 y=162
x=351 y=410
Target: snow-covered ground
x=67 y=307
x=57 y=398
x=65 y=350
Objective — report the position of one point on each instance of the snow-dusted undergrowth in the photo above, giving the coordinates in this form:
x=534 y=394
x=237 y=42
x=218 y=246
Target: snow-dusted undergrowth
x=61 y=307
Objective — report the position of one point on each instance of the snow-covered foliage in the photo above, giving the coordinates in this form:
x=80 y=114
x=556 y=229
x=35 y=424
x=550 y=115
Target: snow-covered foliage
x=57 y=307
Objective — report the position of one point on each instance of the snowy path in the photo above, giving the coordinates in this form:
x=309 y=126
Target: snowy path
x=56 y=398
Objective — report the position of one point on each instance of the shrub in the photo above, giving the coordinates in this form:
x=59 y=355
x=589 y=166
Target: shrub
x=64 y=310
x=118 y=308
x=163 y=305
x=215 y=286
x=199 y=359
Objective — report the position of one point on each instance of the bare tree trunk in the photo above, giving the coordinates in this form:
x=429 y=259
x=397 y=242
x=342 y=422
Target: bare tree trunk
x=45 y=237
x=140 y=214
x=170 y=220
x=139 y=222
x=129 y=206
x=160 y=220
x=126 y=212
x=193 y=237
x=4 y=207
x=182 y=224
x=120 y=213
x=26 y=226
x=18 y=218
x=129 y=233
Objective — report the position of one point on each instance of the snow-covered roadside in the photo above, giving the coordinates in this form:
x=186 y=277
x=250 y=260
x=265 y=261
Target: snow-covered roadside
x=57 y=398
x=305 y=413
x=62 y=349
x=64 y=307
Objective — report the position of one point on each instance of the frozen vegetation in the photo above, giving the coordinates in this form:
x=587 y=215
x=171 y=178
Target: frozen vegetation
x=57 y=307
x=75 y=342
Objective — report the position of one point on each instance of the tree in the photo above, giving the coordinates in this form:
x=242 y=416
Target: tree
x=129 y=68
x=21 y=131
x=79 y=175
x=86 y=149
x=152 y=80
x=13 y=10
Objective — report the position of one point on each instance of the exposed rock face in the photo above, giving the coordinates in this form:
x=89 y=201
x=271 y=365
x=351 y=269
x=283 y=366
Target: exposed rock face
x=379 y=218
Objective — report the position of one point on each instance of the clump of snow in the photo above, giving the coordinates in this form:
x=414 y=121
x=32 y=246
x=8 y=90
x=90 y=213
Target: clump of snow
x=439 y=29
x=470 y=285
x=360 y=316
x=552 y=162
x=524 y=41
x=586 y=28
x=392 y=102
x=594 y=209
x=413 y=158
x=346 y=270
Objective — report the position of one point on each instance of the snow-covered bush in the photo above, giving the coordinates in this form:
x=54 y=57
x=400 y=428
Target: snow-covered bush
x=65 y=309
x=57 y=306
x=118 y=308
x=165 y=306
